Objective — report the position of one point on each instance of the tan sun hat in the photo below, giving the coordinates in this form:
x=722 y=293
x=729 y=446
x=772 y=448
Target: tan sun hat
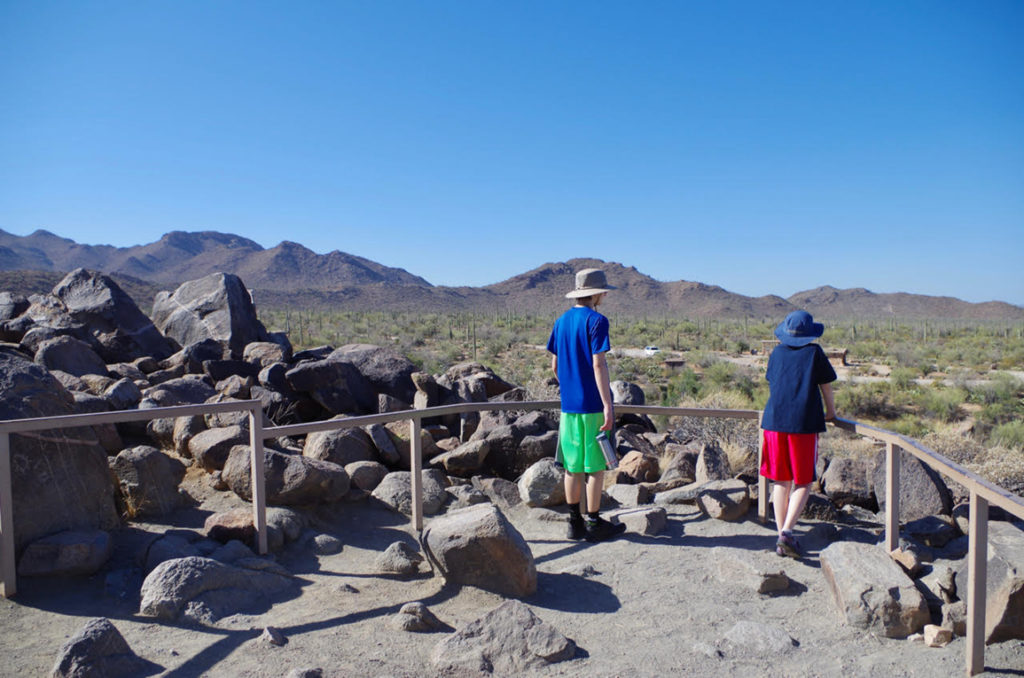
x=589 y=281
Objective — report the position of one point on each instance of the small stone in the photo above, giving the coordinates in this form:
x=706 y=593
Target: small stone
x=399 y=558
x=936 y=636
x=305 y=673
x=915 y=638
x=273 y=636
x=908 y=559
x=326 y=545
x=417 y=618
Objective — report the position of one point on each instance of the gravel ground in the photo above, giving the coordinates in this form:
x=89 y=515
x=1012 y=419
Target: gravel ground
x=652 y=607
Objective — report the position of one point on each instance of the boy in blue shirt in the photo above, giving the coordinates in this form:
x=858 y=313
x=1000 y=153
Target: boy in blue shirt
x=799 y=379
x=578 y=344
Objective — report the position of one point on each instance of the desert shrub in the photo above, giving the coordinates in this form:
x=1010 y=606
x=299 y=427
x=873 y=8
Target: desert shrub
x=943 y=404
x=902 y=378
x=1009 y=435
x=869 y=401
x=908 y=425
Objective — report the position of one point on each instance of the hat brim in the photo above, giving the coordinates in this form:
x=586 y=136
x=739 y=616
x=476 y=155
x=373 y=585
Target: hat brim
x=588 y=292
x=817 y=329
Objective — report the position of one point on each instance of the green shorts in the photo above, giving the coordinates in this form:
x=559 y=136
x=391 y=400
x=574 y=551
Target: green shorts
x=578 y=450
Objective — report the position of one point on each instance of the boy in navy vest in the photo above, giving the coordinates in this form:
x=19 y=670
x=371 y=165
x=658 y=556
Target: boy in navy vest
x=578 y=344
x=799 y=380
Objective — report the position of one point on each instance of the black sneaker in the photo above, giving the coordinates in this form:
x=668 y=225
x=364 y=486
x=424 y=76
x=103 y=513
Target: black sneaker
x=577 y=528
x=788 y=546
x=602 y=530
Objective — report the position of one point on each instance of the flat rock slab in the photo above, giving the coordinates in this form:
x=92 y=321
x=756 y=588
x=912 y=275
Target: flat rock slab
x=871 y=590
x=748 y=637
x=736 y=569
x=505 y=641
x=66 y=553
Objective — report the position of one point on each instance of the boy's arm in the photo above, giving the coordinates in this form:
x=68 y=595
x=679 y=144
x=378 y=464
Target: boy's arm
x=604 y=386
x=554 y=364
x=830 y=401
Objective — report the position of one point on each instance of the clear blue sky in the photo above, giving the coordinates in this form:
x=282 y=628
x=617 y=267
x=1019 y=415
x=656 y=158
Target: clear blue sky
x=767 y=147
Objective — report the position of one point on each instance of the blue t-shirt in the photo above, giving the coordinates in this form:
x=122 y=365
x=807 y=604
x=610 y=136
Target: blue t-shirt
x=794 y=401
x=578 y=335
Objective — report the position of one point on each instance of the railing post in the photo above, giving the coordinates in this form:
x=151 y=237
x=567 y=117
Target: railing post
x=977 y=583
x=762 y=481
x=892 y=497
x=258 y=485
x=416 y=462
x=8 y=571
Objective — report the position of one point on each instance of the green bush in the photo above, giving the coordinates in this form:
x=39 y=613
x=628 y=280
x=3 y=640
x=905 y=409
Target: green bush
x=1010 y=435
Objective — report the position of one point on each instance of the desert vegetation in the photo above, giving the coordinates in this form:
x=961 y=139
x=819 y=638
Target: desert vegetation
x=956 y=385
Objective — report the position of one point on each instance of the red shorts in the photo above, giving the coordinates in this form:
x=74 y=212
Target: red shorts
x=790 y=456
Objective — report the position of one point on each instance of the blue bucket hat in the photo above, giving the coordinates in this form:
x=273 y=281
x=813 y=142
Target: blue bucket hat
x=798 y=329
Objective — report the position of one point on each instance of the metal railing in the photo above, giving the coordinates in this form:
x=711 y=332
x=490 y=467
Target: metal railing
x=982 y=492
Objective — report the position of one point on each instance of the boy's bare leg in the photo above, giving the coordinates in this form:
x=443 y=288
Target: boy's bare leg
x=573 y=488
x=595 y=484
x=780 y=502
x=797 y=500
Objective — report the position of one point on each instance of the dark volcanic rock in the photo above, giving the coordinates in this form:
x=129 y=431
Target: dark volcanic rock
x=60 y=479
x=121 y=331
x=215 y=307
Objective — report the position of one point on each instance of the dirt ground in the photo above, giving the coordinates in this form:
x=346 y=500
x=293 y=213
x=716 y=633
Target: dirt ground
x=653 y=606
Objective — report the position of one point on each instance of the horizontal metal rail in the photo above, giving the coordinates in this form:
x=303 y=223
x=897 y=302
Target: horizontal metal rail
x=982 y=492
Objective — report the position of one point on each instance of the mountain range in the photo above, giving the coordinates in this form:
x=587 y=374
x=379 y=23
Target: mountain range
x=292 y=276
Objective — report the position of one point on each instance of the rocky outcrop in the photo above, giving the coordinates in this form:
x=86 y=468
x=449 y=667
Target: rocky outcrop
x=478 y=546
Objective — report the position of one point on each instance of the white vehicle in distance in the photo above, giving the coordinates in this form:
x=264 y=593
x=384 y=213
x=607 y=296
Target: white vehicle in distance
x=651 y=350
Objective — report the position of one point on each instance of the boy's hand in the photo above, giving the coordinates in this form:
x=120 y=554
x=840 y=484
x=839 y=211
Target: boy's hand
x=609 y=418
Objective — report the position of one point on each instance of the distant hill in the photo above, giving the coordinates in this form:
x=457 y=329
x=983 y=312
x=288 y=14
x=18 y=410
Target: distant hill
x=292 y=276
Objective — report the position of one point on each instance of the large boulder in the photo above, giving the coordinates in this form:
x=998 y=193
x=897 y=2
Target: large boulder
x=12 y=305
x=98 y=650
x=203 y=590
x=387 y=371
x=542 y=484
x=215 y=307
x=59 y=479
x=727 y=500
x=923 y=492
x=395 y=490
x=211 y=447
x=478 y=546
x=75 y=552
x=871 y=591
x=148 y=480
x=121 y=331
x=69 y=355
x=712 y=464
x=335 y=384
x=340 y=446
x=1004 y=593
x=507 y=641
x=290 y=479
x=848 y=481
